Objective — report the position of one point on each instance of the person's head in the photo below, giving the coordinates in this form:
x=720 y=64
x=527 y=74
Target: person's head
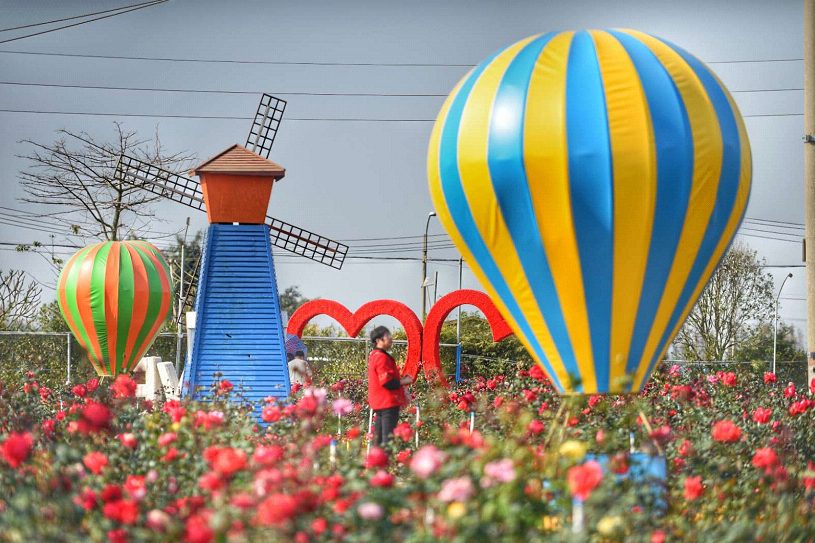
x=381 y=338
x=289 y=357
x=300 y=354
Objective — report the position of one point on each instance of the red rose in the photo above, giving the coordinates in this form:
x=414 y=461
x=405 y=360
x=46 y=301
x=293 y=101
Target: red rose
x=584 y=478
x=171 y=454
x=353 y=432
x=225 y=386
x=86 y=499
x=726 y=431
x=729 y=379
x=319 y=525
x=80 y=391
x=686 y=448
x=377 y=458
x=95 y=418
x=17 y=447
x=128 y=440
x=382 y=479
x=693 y=487
x=111 y=493
x=124 y=387
x=174 y=409
x=498 y=401
x=657 y=536
x=529 y=396
x=765 y=458
x=769 y=377
x=619 y=463
x=790 y=391
x=404 y=431
x=271 y=413
x=403 y=456
x=211 y=481
x=307 y=405
x=276 y=509
x=228 y=461
x=535 y=372
x=535 y=427
x=197 y=530
x=117 y=536
x=95 y=461
x=135 y=487
x=167 y=438
x=761 y=415
x=124 y=511
x=267 y=455
x=92 y=384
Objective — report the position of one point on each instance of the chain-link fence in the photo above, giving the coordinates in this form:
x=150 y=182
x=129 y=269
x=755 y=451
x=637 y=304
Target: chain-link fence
x=58 y=357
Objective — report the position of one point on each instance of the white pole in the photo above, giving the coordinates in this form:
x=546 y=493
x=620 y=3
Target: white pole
x=417 y=426
x=333 y=452
x=370 y=424
x=775 y=334
x=69 y=357
x=180 y=302
x=458 y=322
x=472 y=421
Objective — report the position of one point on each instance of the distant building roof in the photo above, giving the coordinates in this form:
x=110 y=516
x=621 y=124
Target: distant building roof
x=239 y=160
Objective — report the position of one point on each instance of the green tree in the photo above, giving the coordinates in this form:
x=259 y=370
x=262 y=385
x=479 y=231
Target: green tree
x=291 y=299
x=738 y=298
x=759 y=346
x=19 y=299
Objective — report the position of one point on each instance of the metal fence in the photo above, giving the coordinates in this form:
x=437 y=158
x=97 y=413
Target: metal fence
x=59 y=357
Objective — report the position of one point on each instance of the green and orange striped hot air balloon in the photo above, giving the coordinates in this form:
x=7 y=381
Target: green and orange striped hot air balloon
x=115 y=296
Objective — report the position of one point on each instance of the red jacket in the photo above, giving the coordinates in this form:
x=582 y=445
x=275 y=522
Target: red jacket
x=381 y=369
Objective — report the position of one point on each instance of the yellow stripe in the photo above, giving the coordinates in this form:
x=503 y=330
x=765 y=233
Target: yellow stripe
x=478 y=188
x=443 y=212
x=546 y=160
x=743 y=194
x=707 y=162
x=633 y=151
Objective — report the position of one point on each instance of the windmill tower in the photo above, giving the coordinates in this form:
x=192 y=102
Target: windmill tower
x=239 y=331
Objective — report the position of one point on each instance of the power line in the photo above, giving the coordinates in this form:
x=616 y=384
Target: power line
x=292 y=93
x=74 y=17
x=229 y=117
x=324 y=63
x=140 y=6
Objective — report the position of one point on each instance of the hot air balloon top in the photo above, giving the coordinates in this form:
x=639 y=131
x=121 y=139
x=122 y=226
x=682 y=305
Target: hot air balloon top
x=115 y=296
x=593 y=181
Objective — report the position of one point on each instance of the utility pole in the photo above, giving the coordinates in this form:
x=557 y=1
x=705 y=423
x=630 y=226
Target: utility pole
x=809 y=173
x=424 y=266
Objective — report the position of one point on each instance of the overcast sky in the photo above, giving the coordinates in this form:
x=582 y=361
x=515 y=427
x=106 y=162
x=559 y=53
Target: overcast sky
x=355 y=180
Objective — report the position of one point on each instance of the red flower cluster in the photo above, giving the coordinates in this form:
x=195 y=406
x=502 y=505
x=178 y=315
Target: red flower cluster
x=17 y=447
x=726 y=431
x=584 y=478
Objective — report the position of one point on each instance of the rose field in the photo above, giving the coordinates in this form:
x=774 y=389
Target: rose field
x=93 y=463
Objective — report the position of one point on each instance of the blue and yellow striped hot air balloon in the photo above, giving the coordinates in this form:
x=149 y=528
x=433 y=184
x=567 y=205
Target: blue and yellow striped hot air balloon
x=593 y=181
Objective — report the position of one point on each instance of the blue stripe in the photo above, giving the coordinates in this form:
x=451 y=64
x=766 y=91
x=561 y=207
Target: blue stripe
x=673 y=140
x=592 y=193
x=506 y=163
x=725 y=193
x=459 y=208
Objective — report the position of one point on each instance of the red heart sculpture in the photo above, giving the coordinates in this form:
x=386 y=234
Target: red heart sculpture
x=439 y=313
x=353 y=323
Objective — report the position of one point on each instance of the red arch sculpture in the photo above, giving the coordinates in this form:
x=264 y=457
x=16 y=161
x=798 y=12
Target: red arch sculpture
x=354 y=322
x=435 y=320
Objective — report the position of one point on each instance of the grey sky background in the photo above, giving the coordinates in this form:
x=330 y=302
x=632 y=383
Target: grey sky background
x=366 y=179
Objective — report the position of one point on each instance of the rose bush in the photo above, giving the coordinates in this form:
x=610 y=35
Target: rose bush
x=91 y=463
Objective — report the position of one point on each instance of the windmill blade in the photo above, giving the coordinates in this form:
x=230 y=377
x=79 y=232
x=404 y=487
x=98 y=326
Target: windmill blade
x=264 y=127
x=161 y=182
x=308 y=244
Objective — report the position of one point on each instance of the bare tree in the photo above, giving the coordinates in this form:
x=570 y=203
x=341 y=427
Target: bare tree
x=19 y=300
x=738 y=298
x=76 y=174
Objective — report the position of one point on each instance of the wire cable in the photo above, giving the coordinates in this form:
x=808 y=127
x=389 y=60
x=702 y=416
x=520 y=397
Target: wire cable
x=149 y=4
x=237 y=118
x=323 y=63
x=74 y=17
x=292 y=93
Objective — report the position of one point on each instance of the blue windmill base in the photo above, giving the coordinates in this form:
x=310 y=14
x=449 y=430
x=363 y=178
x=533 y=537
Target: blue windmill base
x=239 y=331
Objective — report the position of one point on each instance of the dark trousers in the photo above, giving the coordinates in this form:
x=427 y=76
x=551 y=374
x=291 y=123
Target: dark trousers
x=386 y=421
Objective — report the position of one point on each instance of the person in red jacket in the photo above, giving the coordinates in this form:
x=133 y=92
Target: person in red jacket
x=385 y=392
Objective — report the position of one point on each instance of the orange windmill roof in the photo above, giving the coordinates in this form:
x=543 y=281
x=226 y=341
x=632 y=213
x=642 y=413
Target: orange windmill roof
x=239 y=160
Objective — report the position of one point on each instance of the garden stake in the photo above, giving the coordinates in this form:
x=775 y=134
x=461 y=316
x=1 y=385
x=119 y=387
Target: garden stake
x=417 y=426
x=650 y=431
x=554 y=425
x=472 y=421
